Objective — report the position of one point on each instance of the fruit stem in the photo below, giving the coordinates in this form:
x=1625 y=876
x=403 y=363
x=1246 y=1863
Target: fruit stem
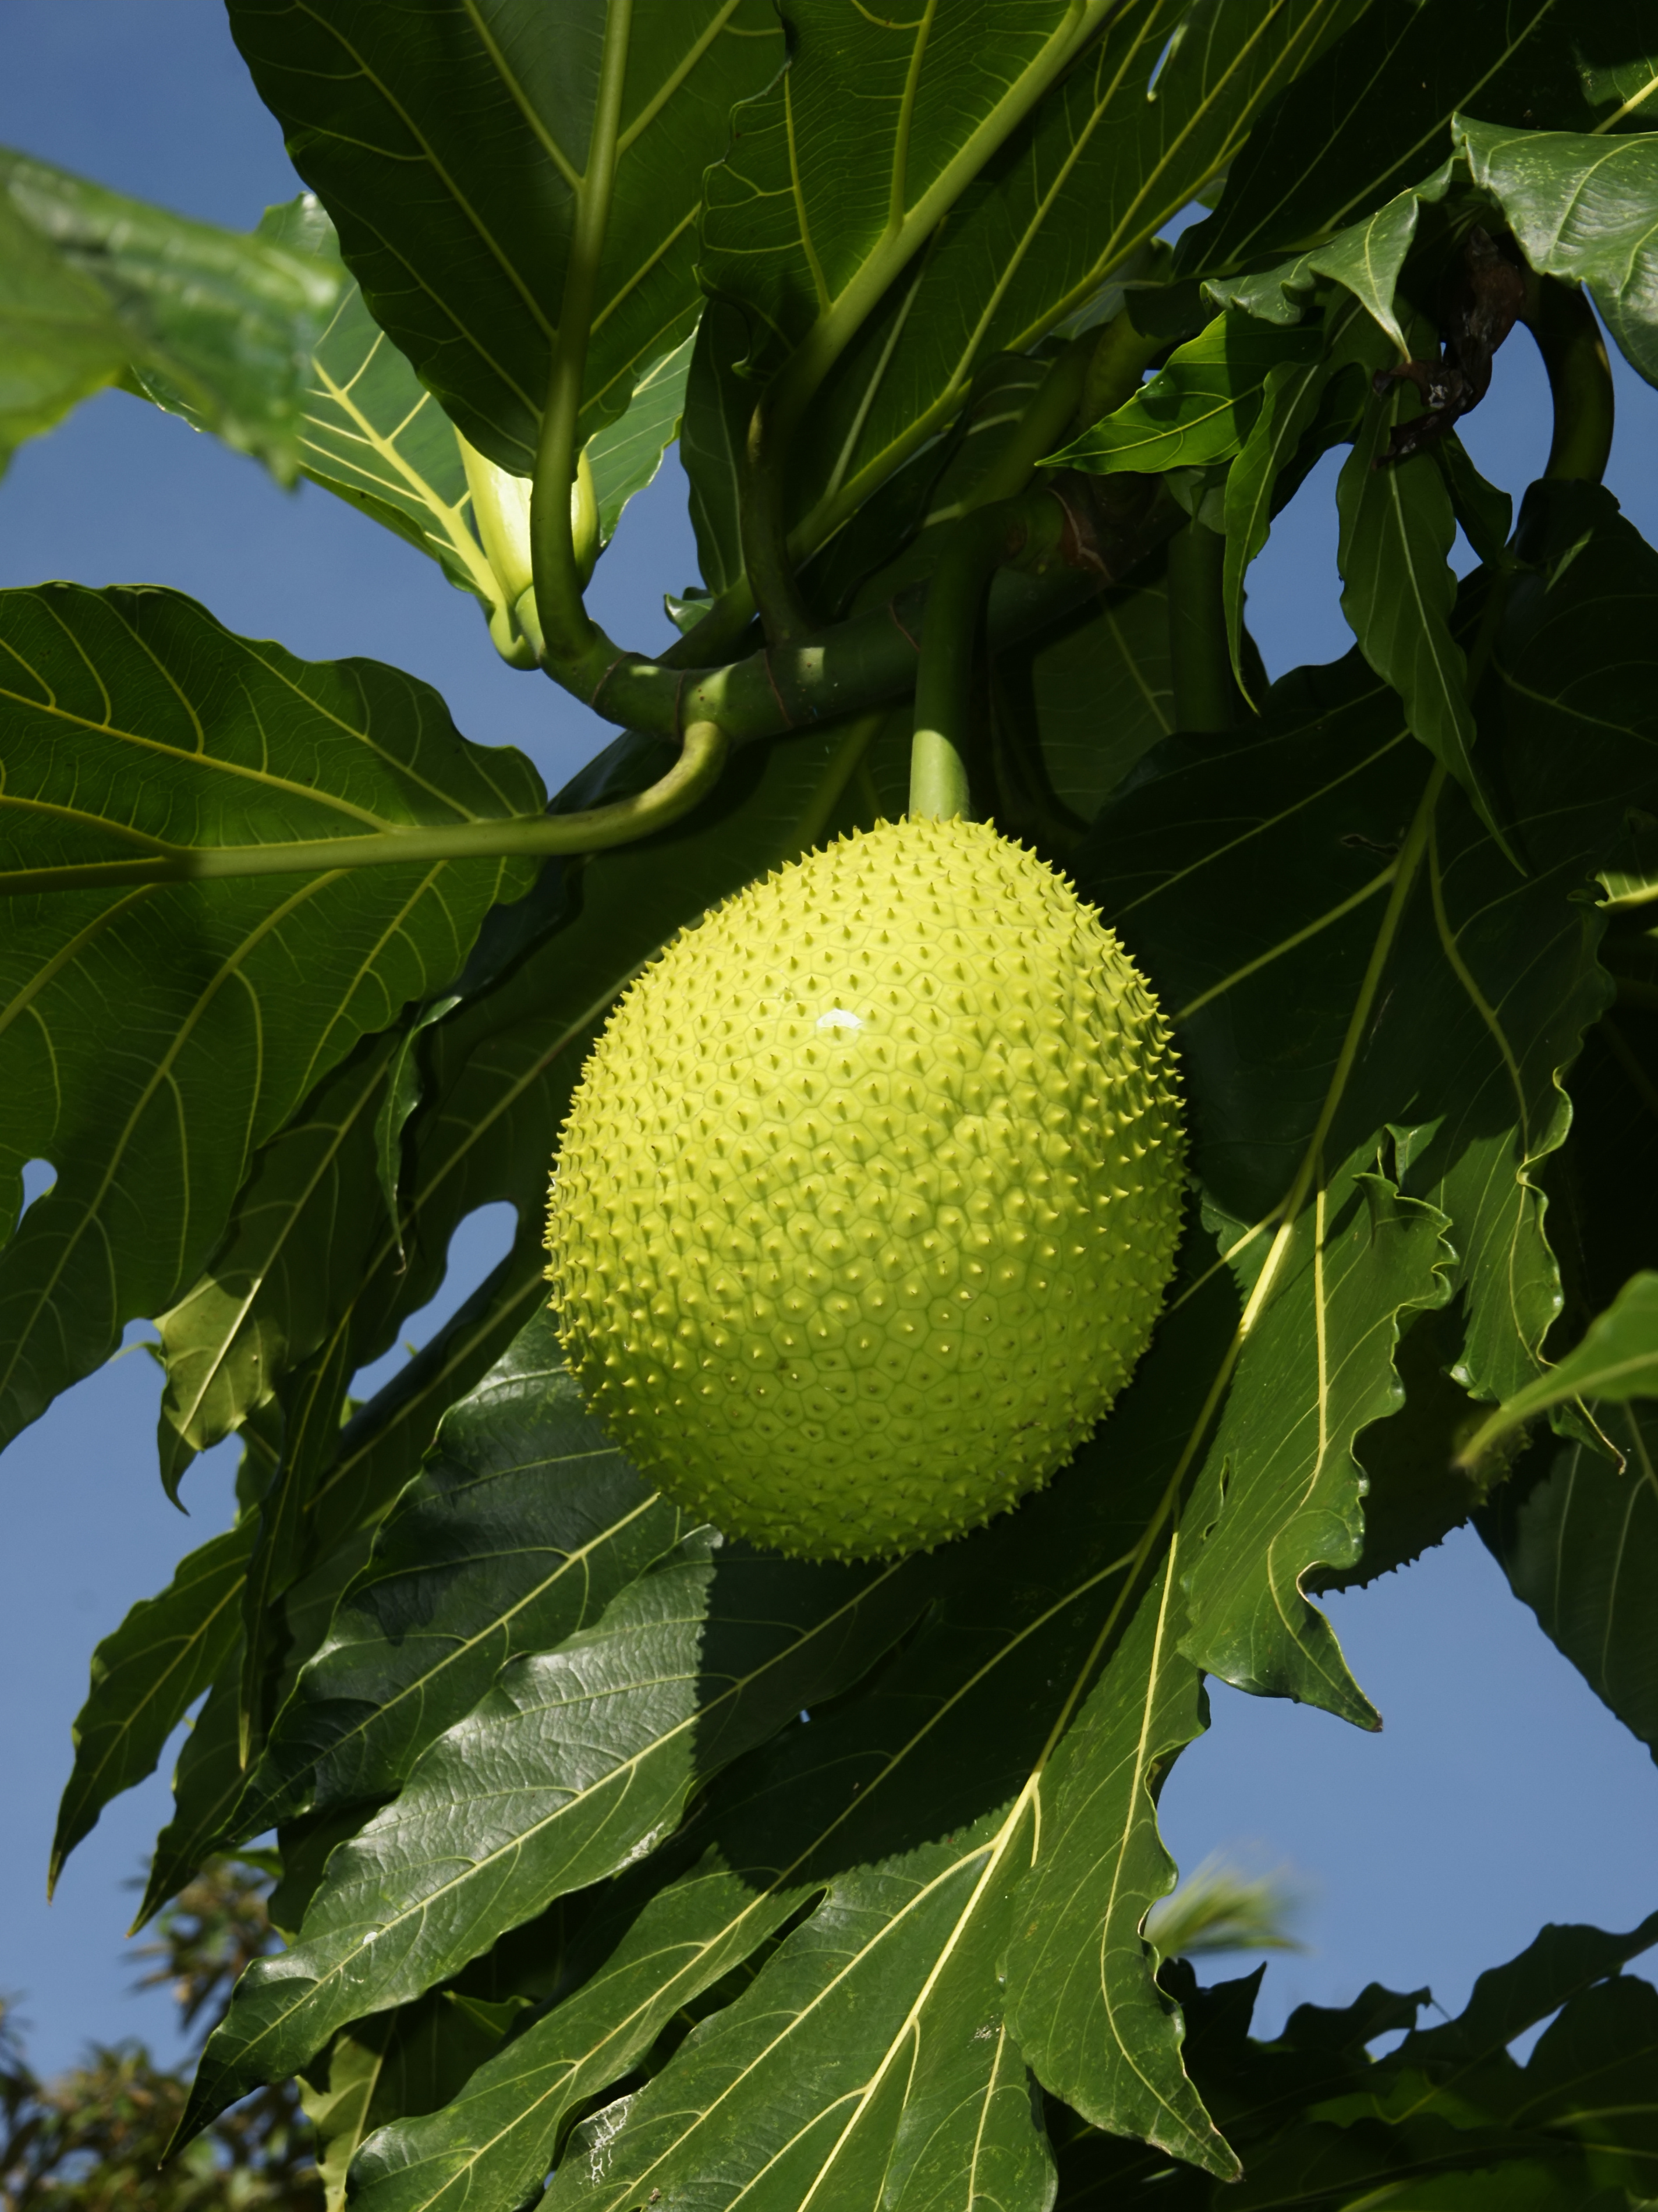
x=1022 y=531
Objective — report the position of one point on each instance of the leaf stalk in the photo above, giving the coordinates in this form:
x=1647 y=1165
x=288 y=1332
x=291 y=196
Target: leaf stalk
x=1562 y=321
x=701 y=756
x=568 y=631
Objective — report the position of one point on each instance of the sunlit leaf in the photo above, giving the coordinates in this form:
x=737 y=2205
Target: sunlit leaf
x=521 y=1527
x=590 y=1752
x=1091 y=163
x=133 y=724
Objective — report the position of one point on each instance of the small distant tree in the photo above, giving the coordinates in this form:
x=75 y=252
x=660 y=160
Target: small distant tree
x=94 y=2140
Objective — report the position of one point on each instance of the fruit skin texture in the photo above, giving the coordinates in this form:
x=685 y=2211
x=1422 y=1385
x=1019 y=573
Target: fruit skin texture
x=869 y=1195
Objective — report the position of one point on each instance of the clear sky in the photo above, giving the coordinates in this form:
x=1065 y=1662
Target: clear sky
x=1501 y=1795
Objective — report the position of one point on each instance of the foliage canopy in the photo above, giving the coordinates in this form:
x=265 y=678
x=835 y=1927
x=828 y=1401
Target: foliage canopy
x=613 y=1852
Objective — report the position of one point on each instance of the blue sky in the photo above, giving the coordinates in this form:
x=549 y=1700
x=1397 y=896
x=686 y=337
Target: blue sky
x=1500 y=1795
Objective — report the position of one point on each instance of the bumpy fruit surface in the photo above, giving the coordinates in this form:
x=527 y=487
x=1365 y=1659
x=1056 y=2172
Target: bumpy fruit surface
x=869 y=1195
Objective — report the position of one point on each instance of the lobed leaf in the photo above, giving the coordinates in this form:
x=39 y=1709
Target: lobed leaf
x=1579 y=1547
x=131 y=722
x=584 y=1756
x=146 y=1677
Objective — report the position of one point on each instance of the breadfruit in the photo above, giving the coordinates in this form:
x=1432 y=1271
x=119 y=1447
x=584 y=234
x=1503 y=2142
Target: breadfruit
x=869 y=1195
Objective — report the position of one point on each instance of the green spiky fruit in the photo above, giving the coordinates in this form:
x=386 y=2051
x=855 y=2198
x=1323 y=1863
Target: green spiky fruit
x=869 y=1195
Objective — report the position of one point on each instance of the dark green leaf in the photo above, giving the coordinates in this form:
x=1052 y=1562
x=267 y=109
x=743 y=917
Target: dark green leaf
x=1557 y=1967
x=521 y=1527
x=305 y=1223
x=1081 y=2006
x=1398 y=527
x=95 y=287
x=132 y=720
x=459 y=237
x=1359 y=1258
x=375 y=436
x=405 y=2061
x=910 y=1810
x=1372 y=114
x=1290 y=401
x=210 y=1779
x=625 y=454
x=717 y=405
x=1581 y=1547
x=146 y=1677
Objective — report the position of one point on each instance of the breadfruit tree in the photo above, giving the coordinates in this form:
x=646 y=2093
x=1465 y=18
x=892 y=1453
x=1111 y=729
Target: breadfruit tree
x=576 y=1898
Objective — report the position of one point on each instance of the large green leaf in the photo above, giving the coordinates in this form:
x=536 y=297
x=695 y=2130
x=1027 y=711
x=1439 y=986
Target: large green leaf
x=209 y=1780
x=306 y=1219
x=1581 y=1547
x=1448 y=2118
x=586 y=1754
x=1371 y=114
x=1581 y=209
x=826 y=226
x=372 y=433
x=877 y=2037
x=1075 y=1965
x=460 y=235
x=95 y=287
x=132 y=724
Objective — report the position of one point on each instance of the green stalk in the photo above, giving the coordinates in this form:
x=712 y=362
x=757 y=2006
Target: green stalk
x=531 y=836
x=981 y=543
x=568 y=631
x=1561 y=319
